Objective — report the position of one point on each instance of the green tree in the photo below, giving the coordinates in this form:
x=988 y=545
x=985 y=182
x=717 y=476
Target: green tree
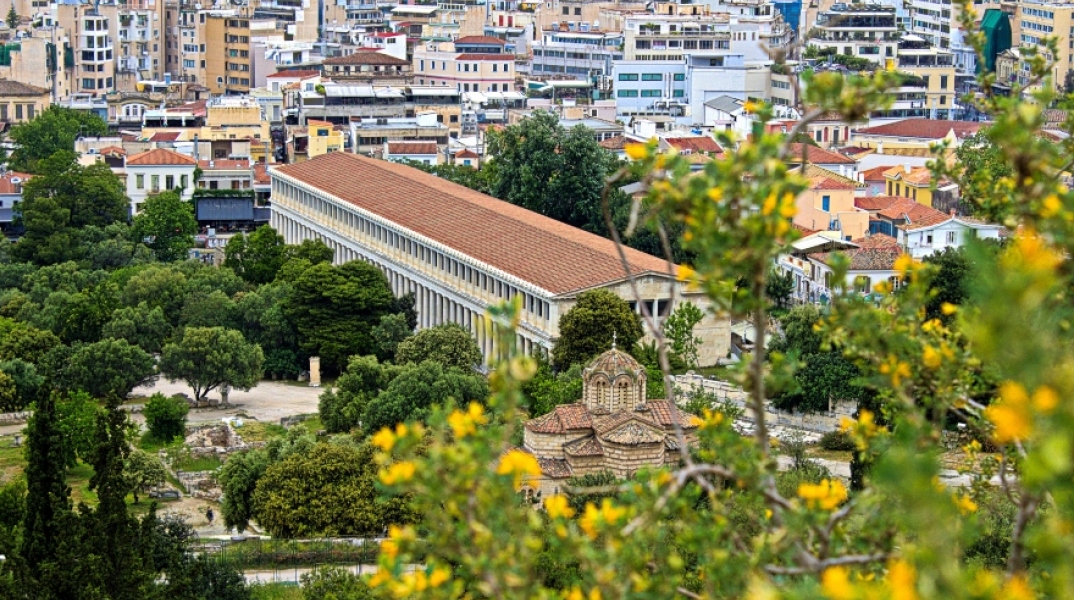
x=778 y=289
x=341 y=406
x=158 y=286
x=77 y=418
x=262 y=318
x=598 y=318
x=64 y=198
x=450 y=344
x=982 y=163
x=139 y=325
x=214 y=309
x=392 y=330
x=560 y=173
x=313 y=251
x=547 y=389
x=239 y=476
x=202 y=578
x=207 y=358
x=334 y=309
x=334 y=583
x=257 y=258
x=79 y=316
x=12 y=17
x=52 y=131
x=475 y=179
x=679 y=329
x=27 y=343
x=415 y=390
x=165 y=417
x=143 y=471
x=951 y=284
x=108 y=369
x=328 y=491
x=26 y=381
x=166 y=224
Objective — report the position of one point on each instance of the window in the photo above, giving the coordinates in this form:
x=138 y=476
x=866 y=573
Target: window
x=826 y=203
x=952 y=237
x=678 y=93
x=18 y=112
x=680 y=77
x=169 y=182
x=154 y=183
x=3 y=112
x=943 y=82
x=627 y=93
x=139 y=181
x=182 y=181
x=628 y=77
x=577 y=11
x=652 y=77
x=566 y=10
x=650 y=93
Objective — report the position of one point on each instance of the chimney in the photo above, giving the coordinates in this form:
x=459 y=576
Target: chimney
x=906 y=168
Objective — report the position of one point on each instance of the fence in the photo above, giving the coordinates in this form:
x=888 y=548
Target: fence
x=281 y=555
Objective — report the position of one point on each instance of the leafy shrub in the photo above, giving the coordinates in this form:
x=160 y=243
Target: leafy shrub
x=166 y=417
x=837 y=440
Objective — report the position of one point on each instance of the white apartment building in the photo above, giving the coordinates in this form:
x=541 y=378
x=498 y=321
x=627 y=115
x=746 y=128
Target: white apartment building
x=155 y=171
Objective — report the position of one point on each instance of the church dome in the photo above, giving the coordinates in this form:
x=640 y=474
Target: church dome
x=612 y=382
x=613 y=363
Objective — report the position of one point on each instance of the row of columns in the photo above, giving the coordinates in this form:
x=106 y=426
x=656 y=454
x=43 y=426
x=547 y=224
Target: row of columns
x=433 y=307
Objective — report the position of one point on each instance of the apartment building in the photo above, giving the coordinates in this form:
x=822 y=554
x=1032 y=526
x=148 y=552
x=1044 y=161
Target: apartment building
x=938 y=20
x=864 y=31
x=1035 y=20
x=41 y=61
x=227 y=61
x=368 y=67
x=294 y=20
x=575 y=51
x=20 y=102
x=931 y=81
x=93 y=44
x=140 y=39
x=470 y=64
x=341 y=104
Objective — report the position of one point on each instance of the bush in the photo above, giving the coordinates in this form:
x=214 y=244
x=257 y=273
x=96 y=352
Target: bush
x=334 y=582
x=166 y=417
x=837 y=440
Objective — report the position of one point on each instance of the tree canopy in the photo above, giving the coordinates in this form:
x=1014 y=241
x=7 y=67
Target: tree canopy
x=52 y=131
x=412 y=393
x=598 y=318
x=166 y=224
x=207 y=358
x=450 y=344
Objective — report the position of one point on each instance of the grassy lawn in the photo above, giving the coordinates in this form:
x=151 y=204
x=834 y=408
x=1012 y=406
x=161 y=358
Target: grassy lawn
x=818 y=452
x=276 y=591
x=256 y=431
x=185 y=462
x=152 y=445
x=12 y=460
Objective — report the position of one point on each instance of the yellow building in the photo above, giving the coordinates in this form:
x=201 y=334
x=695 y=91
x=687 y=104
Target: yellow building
x=828 y=204
x=313 y=140
x=933 y=94
x=1035 y=20
x=914 y=183
x=227 y=66
x=20 y=102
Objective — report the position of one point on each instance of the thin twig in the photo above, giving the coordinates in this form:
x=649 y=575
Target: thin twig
x=820 y=565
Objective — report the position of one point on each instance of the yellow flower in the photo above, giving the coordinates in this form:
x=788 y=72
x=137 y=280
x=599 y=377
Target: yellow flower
x=715 y=194
x=381 y=577
x=1011 y=422
x=751 y=107
x=1017 y=588
x=769 y=205
x=1045 y=399
x=709 y=418
x=904 y=263
x=948 y=309
x=1033 y=253
x=556 y=506
x=607 y=514
x=636 y=151
x=465 y=423
x=836 y=583
x=902 y=578
x=827 y=495
x=517 y=464
x=398 y=473
x=384 y=439
x=964 y=503
x=686 y=273
x=931 y=358
x=439 y=576
x=389 y=548
x=788 y=208
x=1050 y=207
x=1013 y=392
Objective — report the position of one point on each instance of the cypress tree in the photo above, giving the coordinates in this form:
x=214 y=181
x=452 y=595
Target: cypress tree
x=48 y=503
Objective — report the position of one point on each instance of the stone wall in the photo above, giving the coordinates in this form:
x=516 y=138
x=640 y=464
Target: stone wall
x=821 y=422
x=14 y=418
x=549 y=445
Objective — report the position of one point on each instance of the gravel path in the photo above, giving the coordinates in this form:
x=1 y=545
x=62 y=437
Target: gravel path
x=269 y=402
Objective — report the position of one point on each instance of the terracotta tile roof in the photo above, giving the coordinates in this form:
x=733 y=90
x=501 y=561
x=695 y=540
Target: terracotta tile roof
x=811 y=172
x=604 y=424
x=479 y=57
x=467 y=153
x=816 y=155
x=224 y=164
x=9 y=187
x=699 y=143
x=294 y=74
x=10 y=87
x=633 y=433
x=587 y=446
x=261 y=174
x=159 y=157
x=924 y=129
x=365 y=58
x=877 y=240
x=617 y=142
x=113 y=150
x=566 y=417
x=165 y=136
x=395 y=148
x=480 y=39
x=916 y=215
x=534 y=248
x=875 y=173
x=556 y=468
x=874 y=203
x=864 y=259
x=916 y=176
x=661 y=412
x=827 y=183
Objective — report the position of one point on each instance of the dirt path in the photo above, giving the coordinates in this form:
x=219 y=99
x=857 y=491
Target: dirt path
x=269 y=402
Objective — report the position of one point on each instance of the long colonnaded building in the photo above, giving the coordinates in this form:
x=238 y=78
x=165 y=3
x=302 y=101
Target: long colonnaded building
x=460 y=251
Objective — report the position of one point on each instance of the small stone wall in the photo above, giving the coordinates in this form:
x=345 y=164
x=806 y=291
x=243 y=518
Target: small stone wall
x=822 y=422
x=15 y=418
x=214 y=439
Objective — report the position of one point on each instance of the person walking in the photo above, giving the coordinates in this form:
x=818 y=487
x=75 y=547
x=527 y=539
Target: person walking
x=209 y=515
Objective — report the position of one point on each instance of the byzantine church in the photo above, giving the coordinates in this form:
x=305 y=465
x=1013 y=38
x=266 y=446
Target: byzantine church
x=612 y=428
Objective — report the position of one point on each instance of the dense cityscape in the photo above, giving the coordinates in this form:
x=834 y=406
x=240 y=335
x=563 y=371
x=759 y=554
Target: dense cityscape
x=562 y=299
